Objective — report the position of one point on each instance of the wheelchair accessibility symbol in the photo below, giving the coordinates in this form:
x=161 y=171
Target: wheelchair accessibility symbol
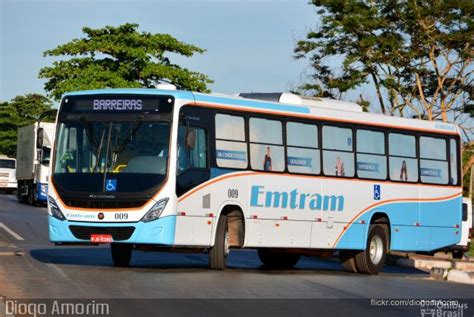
x=111 y=185
x=377 y=192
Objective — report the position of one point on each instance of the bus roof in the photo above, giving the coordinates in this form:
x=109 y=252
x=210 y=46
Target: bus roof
x=316 y=108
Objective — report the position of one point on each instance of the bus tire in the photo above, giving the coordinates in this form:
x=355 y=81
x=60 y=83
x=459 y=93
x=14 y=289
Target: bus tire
x=272 y=259
x=218 y=253
x=121 y=254
x=372 y=259
x=348 y=261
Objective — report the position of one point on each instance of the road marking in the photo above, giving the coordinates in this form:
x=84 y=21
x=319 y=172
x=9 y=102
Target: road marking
x=11 y=232
x=17 y=253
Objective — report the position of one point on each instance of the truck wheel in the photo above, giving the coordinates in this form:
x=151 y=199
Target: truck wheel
x=372 y=259
x=218 y=253
x=348 y=261
x=31 y=197
x=272 y=259
x=121 y=254
x=19 y=196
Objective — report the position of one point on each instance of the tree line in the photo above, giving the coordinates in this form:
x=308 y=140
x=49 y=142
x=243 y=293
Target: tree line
x=415 y=54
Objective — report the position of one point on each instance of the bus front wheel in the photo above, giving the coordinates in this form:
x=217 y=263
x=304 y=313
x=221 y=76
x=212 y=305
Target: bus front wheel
x=218 y=253
x=372 y=259
x=121 y=254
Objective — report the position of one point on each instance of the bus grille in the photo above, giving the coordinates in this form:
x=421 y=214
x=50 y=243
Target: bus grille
x=104 y=204
x=118 y=233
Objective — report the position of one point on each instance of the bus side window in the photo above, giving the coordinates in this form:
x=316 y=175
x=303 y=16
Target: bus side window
x=402 y=157
x=338 y=156
x=231 y=146
x=453 y=161
x=192 y=148
x=433 y=160
x=303 y=155
x=266 y=145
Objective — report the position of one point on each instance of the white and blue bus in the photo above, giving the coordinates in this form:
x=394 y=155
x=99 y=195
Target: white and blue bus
x=150 y=169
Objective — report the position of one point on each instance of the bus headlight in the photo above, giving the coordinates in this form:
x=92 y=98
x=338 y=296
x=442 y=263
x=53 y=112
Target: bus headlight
x=156 y=210
x=55 y=211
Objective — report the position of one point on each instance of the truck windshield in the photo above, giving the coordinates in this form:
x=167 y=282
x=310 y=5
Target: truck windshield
x=10 y=164
x=111 y=156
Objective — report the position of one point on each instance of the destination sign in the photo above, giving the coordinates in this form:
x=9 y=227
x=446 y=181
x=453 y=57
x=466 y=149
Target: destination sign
x=118 y=103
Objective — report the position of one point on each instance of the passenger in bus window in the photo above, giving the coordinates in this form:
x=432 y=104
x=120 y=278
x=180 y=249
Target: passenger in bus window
x=339 y=167
x=403 y=172
x=267 y=161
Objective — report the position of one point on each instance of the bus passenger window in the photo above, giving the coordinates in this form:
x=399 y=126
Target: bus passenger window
x=231 y=148
x=266 y=145
x=453 y=159
x=433 y=161
x=338 y=158
x=192 y=148
x=302 y=151
x=402 y=157
x=371 y=159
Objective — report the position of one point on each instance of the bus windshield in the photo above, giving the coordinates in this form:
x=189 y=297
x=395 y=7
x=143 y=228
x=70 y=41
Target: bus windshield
x=111 y=156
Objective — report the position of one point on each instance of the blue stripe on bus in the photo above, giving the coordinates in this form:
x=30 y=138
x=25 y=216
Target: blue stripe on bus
x=249 y=103
x=432 y=233
x=143 y=91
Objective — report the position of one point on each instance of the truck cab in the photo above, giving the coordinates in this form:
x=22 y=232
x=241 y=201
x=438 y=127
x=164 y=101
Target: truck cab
x=33 y=157
x=7 y=174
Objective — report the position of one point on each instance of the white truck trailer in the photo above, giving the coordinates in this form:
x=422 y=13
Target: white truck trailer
x=33 y=154
x=7 y=174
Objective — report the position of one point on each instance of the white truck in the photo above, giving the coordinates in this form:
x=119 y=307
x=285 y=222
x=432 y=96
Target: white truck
x=7 y=174
x=33 y=155
x=466 y=229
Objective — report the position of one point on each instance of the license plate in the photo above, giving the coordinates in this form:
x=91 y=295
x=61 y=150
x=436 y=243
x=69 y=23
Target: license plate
x=101 y=238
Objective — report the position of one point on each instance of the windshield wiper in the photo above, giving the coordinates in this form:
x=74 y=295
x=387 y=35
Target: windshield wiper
x=99 y=150
x=130 y=133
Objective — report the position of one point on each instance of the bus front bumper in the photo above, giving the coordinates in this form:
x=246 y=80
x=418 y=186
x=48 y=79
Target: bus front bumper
x=160 y=231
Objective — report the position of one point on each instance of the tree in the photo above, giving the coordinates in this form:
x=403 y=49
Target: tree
x=20 y=111
x=468 y=161
x=120 y=57
x=416 y=53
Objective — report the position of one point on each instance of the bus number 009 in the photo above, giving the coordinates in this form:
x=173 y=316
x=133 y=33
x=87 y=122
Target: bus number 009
x=233 y=193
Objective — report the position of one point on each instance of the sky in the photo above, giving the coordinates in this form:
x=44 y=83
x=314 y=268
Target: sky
x=249 y=43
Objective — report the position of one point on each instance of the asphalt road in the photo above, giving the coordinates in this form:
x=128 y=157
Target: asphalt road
x=33 y=268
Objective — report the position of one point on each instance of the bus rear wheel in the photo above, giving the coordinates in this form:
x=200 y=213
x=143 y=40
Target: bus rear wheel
x=218 y=253
x=121 y=254
x=372 y=259
x=278 y=259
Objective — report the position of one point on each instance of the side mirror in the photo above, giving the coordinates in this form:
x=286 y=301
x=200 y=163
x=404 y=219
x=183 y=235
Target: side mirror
x=39 y=138
x=190 y=138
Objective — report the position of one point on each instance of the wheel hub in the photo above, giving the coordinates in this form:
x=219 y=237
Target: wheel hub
x=376 y=249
